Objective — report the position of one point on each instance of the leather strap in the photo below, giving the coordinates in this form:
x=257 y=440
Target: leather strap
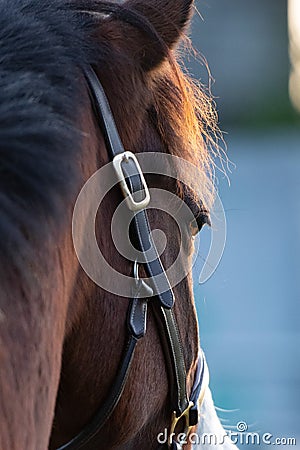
x=170 y=336
x=136 y=328
x=153 y=265
x=104 y=114
x=143 y=240
x=114 y=148
x=172 y=347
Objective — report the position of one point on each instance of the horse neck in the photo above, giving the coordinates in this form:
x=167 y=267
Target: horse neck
x=34 y=308
x=35 y=293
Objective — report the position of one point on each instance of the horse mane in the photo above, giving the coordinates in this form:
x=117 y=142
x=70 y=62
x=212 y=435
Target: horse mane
x=44 y=46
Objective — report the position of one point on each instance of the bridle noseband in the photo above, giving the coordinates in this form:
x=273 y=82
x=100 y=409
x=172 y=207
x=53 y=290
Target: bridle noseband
x=132 y=182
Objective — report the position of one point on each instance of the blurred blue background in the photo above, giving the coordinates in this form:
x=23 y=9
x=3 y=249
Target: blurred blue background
x=249 y=310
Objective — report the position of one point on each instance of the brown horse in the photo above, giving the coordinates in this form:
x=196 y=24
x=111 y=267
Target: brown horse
x=62 y=335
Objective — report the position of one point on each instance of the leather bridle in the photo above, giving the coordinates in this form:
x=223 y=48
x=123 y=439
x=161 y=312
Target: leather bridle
x=183 y=408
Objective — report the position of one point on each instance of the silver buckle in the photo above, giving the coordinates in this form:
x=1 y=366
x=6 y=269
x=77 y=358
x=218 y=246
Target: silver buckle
x=132 y=204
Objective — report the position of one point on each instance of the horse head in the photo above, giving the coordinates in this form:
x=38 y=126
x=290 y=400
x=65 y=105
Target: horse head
x=62 y=334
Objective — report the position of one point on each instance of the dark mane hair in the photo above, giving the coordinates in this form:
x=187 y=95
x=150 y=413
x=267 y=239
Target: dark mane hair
x=43 y=47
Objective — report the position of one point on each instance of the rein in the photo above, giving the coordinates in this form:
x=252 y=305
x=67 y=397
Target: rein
x=184 y=409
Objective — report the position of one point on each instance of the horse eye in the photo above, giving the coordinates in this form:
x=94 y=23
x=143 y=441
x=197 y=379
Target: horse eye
x=198 y=222
x=201 y=215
